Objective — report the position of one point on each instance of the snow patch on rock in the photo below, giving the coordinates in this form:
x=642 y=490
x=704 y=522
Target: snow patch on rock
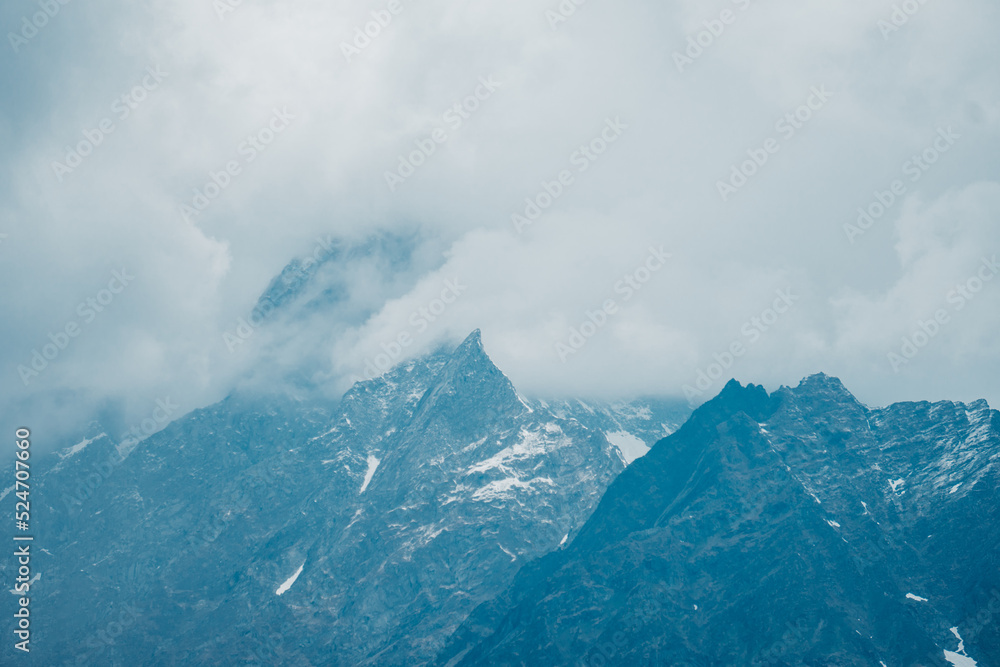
x=283 y=588
x=372 y=467
x=631 y=447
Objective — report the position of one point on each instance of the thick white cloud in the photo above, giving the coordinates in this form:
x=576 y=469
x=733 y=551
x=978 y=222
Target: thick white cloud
x=943 y=302
x=656 y=185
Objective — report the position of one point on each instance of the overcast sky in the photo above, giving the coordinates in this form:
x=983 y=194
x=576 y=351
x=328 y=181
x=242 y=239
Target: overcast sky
x=654 y=196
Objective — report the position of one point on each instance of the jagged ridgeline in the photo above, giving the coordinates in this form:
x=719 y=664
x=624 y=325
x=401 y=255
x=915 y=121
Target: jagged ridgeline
x=433 y=515
x=274 y=530
x=797 y=528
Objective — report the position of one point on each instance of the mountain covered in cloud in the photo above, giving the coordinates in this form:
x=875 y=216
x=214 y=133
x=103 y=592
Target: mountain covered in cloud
x=434 y=515
x=796 y=528
x=283 y=529
x=322 y=300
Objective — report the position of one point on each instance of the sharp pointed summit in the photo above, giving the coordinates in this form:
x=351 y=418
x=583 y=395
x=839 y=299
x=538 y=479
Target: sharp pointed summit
x=472 y=356
x=474 y=339
x=415 y=498
x=468 y=381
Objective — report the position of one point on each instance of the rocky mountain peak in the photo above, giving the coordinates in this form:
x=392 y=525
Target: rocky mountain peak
x=753 y=400
x=471 y=353
x=468 y=381
x=823 y=384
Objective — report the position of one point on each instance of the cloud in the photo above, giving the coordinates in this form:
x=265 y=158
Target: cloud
x=947 y=253
x=324 y=174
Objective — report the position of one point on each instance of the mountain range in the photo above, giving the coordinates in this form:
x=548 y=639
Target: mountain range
x=793 y=528
x=435 y=516
x=271 y=530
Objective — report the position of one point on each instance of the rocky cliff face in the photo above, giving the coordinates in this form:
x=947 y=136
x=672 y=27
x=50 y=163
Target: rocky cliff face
x=434 y=515
x=799 y=528
x=268 y=530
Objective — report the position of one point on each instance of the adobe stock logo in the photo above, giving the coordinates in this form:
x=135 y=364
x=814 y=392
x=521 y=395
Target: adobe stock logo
x=698 y=43
x=218 y=181
x=122 y=106
x=901 y=15
x=247 y=326
x=959 y=297
x=563 y=12
x=629 y=285
x=99 y=472
x=421 y=320
x=455 y=116
x=38 y=21
x=363 y=35
x=88 y=311
x=582 y=158
x=788 y=126
x=915 y=168
x=752 y=330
